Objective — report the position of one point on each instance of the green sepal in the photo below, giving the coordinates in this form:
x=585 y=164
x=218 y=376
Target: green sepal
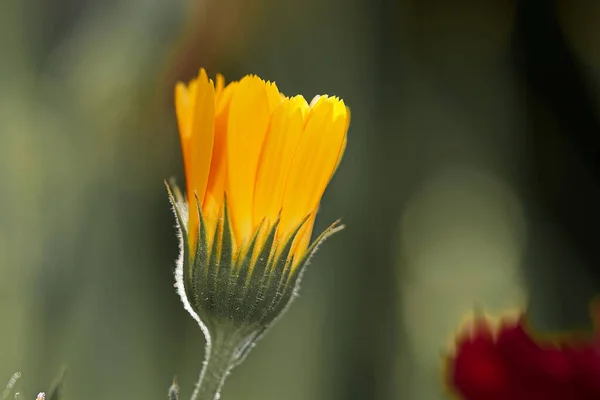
x=197 y=271
x=212 y=269
x=286 y=287
x=239 y=281
x=234 y=297
x=185 y=244
x=177 y=204
x=331 y=229
x=225 y=267
x=250 y=292
x=239 y=291
x=268 y=292
x=179 y=198
x=290 y=286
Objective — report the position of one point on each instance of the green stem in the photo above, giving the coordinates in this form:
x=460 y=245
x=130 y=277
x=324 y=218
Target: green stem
x=219 y=360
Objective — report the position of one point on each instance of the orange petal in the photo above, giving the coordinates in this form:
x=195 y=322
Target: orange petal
x=219 y=85
x=215 y=189
x=195 y=107
x=225 y=97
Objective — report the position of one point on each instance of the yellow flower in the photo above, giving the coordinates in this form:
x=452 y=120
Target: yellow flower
x=256 y=166
x=270 y=157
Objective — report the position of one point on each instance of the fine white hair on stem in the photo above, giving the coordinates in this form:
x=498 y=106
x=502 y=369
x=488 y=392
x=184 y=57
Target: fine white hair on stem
x=181 y=211
x=180 y=261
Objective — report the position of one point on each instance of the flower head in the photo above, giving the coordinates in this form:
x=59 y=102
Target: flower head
x=505 y=360
x=271 y=156
x=257 y=164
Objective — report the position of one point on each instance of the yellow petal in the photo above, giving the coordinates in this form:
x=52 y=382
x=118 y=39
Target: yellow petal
x=247 y=126
x=300 y=104
x=343 y=149
x=278 y=150
x=315 y=160
x=273 y=95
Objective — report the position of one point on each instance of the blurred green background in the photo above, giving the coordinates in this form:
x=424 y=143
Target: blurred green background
x=471 y=179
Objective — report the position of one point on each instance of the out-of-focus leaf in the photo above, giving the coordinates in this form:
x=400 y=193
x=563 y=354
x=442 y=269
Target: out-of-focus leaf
x=56 y=389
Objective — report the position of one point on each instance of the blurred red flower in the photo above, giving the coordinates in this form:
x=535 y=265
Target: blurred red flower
x=507 y=361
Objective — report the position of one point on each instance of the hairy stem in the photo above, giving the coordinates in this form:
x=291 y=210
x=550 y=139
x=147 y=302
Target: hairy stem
x=220 y=358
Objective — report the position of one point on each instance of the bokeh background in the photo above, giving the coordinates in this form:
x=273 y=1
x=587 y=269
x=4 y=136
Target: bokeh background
x=471 y=180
